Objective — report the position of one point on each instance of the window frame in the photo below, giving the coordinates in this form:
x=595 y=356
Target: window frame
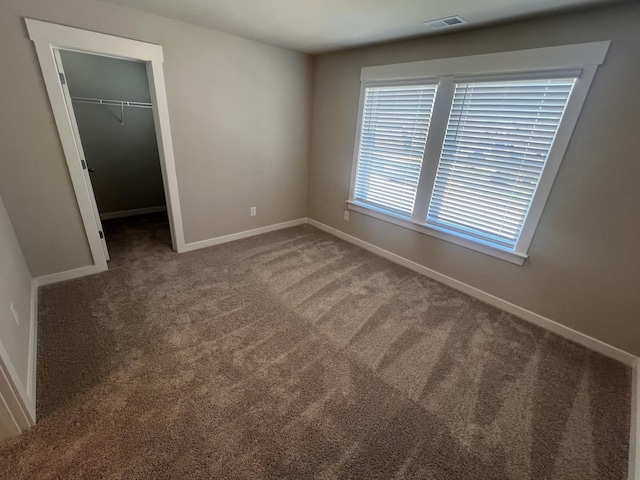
x=387 y=83
x=528 y=64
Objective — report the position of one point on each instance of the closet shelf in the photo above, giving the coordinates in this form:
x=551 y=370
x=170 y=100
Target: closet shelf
x=118 y=103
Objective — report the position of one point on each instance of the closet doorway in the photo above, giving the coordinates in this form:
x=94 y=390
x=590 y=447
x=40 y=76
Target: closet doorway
x=58 y=48
x=111 y=112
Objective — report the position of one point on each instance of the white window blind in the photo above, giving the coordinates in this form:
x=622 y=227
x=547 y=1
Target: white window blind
x=497 y=141
x=395 y=124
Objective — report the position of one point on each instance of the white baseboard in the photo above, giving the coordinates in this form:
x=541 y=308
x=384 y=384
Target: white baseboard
x=66 y=275
x=237 y=236
x=91 y=269
x=566 y=332
x=15 y=417
x=16 y=396
x=20 y=399
x=133 y=212
x=33 y=351
x=14 y=393
x=634 y=441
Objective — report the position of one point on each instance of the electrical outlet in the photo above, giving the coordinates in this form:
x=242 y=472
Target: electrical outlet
x=14 y=312
x=253 y=211
x=346 y=215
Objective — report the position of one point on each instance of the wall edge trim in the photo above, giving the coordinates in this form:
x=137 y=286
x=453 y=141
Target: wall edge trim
x=188 y=247
x=33 y=352
x=634 y=443
x=66 y=275
x=546 y=323
x=18 y=403
x=132 y=212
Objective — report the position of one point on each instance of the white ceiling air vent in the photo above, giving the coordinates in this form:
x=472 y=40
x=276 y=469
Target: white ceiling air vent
x=445 y=22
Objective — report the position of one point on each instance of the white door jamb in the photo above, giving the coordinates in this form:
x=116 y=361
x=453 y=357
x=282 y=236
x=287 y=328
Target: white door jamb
x=47 y=37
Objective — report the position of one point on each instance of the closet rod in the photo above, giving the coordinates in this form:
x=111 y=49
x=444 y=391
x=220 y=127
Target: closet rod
x=119 y=103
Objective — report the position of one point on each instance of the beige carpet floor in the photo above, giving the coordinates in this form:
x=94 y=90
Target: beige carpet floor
x=296 y=355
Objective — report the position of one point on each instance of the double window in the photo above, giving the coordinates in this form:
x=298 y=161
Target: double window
x=466 y=149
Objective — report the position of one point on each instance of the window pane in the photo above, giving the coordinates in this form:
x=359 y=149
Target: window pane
x=497 y=142
x=395 y=123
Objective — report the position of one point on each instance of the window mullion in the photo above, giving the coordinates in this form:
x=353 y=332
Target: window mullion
x=356 y=152
x=435 y=140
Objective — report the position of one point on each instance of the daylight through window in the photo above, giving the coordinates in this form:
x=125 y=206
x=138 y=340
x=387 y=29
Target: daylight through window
x=466 y=158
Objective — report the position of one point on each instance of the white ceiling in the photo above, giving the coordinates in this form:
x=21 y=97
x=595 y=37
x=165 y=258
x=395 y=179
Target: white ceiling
x=314 y=26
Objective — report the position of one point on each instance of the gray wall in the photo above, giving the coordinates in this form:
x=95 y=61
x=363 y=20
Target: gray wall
x=239 y=112
x=584 y=266
x=240 y=120
x=15 y=287
x=124 y=156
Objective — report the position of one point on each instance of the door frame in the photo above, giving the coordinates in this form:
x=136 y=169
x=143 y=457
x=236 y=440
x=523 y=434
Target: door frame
x=49 y=36
x=80 y=147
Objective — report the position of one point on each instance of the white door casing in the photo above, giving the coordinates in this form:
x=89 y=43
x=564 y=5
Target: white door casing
x=48 y=38
x=82 y=156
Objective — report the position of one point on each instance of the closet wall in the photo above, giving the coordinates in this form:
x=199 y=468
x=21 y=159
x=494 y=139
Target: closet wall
x=124 y=155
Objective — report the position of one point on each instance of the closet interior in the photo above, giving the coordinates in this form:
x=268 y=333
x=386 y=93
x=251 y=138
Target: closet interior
x=113 y=110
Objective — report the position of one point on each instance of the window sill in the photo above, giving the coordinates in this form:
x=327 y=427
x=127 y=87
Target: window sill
x=508 y=256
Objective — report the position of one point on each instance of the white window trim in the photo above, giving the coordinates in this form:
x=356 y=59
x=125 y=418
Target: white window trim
x=586 y=56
